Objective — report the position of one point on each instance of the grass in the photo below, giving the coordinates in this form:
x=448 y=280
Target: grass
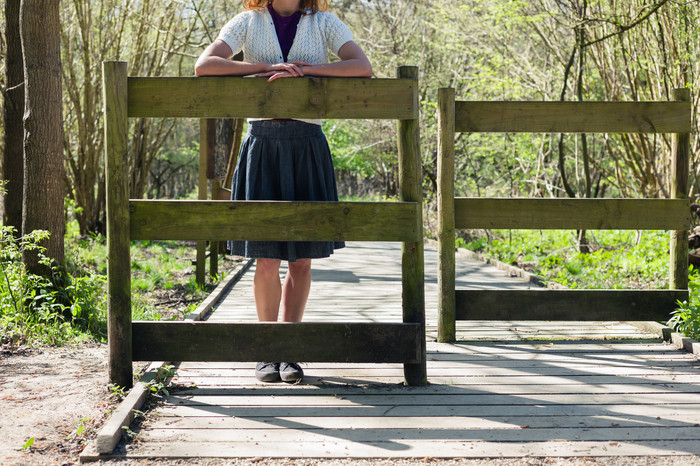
x=619 y=259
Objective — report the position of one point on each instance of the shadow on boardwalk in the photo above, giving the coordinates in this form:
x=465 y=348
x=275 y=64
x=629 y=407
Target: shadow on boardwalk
x=506 y=389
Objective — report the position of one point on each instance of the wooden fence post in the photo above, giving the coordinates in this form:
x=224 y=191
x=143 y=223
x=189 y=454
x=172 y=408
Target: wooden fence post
x=116 y=122
x=680 y=166
x=410 y=180
x=202 y=188
x=446 y=215
x=214 y=245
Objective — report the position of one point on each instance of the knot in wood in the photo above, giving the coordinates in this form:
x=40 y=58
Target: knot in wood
x=315 y=100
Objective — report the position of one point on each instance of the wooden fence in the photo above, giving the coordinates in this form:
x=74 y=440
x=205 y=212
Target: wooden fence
x=650 y=214
x=234 y=97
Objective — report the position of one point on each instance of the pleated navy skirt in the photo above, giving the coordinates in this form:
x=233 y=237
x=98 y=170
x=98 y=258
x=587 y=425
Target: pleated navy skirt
x=284 y=161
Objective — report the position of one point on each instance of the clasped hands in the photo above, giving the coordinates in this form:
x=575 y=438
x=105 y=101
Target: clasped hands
x=284 y=70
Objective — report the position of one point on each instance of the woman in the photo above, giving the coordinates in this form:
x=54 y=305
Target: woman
x=284 y=159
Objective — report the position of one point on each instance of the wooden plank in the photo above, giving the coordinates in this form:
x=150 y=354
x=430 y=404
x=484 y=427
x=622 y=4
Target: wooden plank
x=579 y=388
x=573 y=117
x=111 y=432
x=118 y=240
x=680 y=178
x=561 y=346
x=437 y=400
x=586 y=214
x=446 y=215
x=524 y=375
x=302 y=434
x=653 y=305
x=246 y=379
x=645 y=413
x=503 y=422
x=438 y=360
x=235 y=97
x=275 y=220
x=412 y=253
x=335 y=447
x=209 y=341
x=454 y=367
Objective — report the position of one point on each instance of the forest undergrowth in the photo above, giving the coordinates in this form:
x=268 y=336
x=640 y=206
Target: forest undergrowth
x=71 y=306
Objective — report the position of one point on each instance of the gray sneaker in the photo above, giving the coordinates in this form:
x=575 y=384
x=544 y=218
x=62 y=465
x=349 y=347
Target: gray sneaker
x=267 y=371
x=290 y=372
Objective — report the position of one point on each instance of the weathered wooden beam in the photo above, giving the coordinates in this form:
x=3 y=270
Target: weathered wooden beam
x=412 y=265
x=573 y=117
x=680 y=180
x=214 y=245
x=446 y=215
x=308 y=342
x=275 y=220
x=211 y=147
x=202 y=188
x=582 y=214
x=118 y=241
x=235 y=97
x=567 y=305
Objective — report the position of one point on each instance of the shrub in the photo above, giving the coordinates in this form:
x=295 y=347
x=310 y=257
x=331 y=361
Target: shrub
x=49 y=310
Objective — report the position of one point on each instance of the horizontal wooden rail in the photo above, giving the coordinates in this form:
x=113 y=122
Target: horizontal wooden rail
x=235 y=97
x=567 y=214
x=308 y=342
x=567 y=305
x=573 y=117
x=275 y=221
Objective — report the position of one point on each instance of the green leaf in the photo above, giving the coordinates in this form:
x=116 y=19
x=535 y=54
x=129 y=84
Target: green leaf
x=28 y=444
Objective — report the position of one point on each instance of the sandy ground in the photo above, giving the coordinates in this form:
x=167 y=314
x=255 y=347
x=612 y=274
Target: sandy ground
x=47 y=395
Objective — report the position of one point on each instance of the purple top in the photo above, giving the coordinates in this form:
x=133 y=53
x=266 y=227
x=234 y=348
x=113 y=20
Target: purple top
x=286 y=29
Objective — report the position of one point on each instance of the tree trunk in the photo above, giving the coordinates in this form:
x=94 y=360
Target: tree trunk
x=13 y=163
x=44 y=179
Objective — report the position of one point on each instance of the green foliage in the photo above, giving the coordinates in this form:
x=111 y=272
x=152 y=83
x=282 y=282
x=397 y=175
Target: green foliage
x=349 y=152
x=80 y=430
x=158 y=387
x=620 y=259
x=71 y=306
x=117 y=392
x=28 y=444
x=686 y=319
x=41 y=310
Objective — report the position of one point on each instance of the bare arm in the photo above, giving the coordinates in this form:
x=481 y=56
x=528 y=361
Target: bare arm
x=353 y=64
x=216 y=61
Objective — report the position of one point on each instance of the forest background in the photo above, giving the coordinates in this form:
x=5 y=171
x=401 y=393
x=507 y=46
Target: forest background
x=543 y=50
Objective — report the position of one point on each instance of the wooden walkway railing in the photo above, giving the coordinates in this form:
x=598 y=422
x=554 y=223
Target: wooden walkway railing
x=639 y=214
x=233 y=97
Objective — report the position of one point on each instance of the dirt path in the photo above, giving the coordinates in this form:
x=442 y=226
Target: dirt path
x=48 y=395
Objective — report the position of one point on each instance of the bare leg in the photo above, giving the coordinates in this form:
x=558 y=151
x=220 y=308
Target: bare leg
x=296 y=288
x=267 y=289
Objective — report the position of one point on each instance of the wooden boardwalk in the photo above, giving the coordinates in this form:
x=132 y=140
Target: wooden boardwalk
x=507 y=389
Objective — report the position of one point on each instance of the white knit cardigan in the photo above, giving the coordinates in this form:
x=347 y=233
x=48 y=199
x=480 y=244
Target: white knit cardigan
x=253 y=31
